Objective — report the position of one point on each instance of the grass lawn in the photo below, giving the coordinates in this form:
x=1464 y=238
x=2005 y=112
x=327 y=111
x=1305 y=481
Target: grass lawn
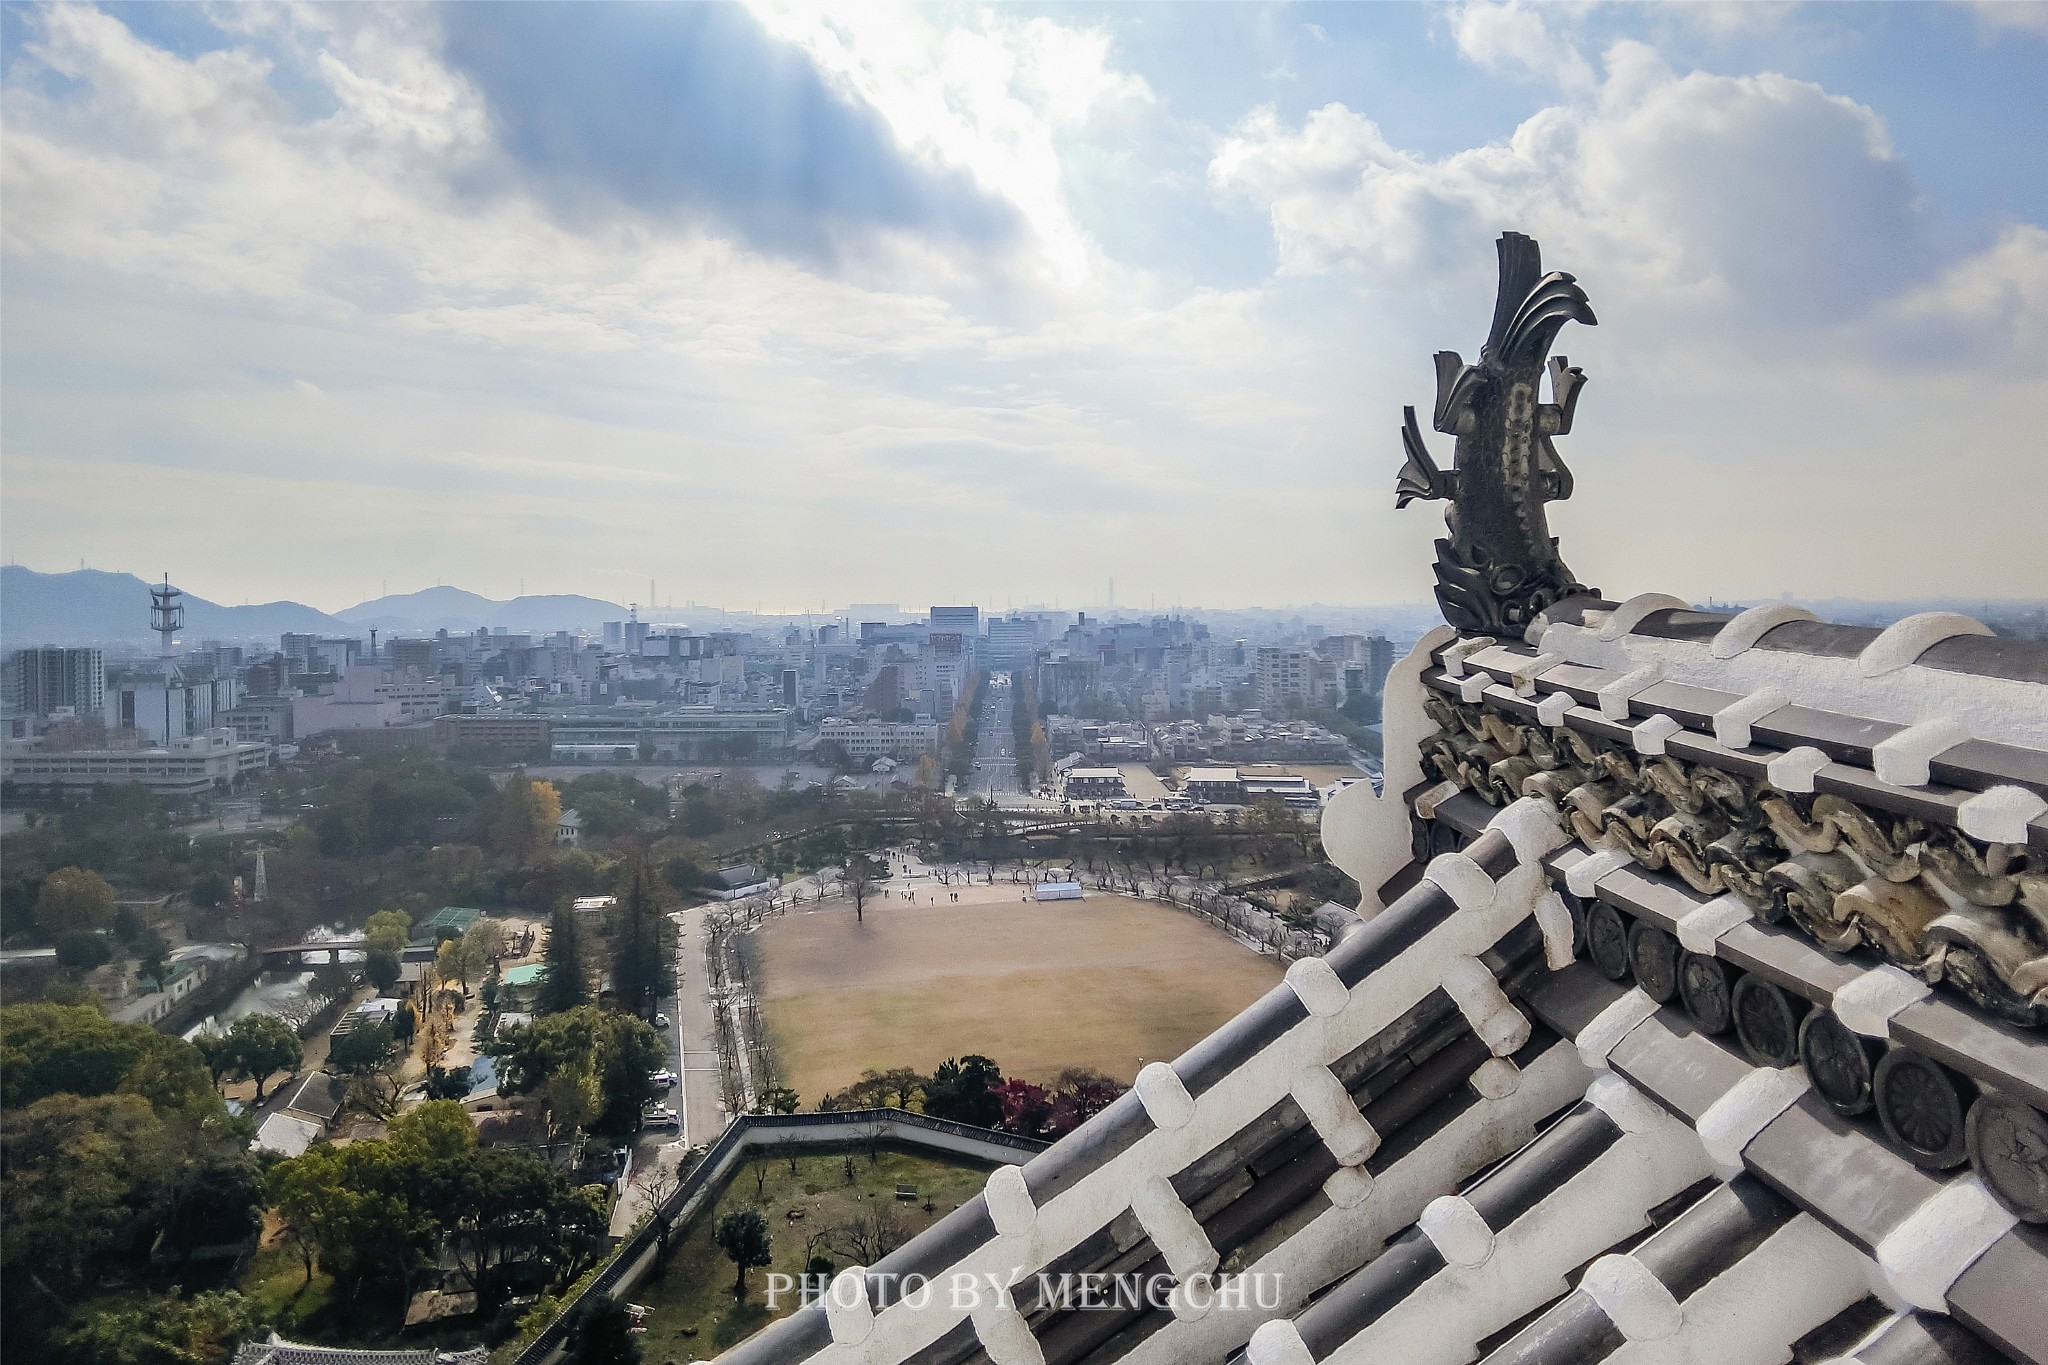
x=691 y=1311
x=1100 y=982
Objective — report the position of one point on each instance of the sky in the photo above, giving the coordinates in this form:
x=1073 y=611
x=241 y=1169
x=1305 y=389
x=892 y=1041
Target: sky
x=787 y=306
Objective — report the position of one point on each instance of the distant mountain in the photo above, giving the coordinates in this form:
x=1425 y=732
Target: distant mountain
x=452 y=609
x=88 y=606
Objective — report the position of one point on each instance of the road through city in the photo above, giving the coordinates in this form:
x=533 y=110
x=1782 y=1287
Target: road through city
x=995 y=763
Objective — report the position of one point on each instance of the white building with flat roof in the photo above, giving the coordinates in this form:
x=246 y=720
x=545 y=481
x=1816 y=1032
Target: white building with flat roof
x=209 y=762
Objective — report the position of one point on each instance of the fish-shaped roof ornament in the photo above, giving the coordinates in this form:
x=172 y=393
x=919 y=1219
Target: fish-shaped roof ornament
x=1500 y=567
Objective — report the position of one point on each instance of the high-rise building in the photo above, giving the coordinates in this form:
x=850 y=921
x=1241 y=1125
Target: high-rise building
x=51 y=679
x=1283 y=676
x=1379 y=661
x=1012 y=643
x=966 y=620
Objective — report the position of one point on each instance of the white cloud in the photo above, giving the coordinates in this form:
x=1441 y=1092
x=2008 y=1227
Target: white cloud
x=1513 y=37
x=2017 y=16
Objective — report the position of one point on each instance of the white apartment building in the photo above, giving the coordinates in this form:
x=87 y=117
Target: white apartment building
x=1283 y=674
x=168 y=706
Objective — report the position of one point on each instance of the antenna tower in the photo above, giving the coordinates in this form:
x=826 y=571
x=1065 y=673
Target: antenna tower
x=166 y=615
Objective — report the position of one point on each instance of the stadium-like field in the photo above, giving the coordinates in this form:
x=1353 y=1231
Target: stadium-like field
x=1107 y=982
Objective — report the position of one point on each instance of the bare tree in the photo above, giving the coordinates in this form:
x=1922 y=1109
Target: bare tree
x=869 y=1235
x=861 y=877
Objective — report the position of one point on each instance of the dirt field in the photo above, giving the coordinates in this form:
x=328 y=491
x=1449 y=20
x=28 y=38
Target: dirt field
x=1141 y=782
x=1100 y=982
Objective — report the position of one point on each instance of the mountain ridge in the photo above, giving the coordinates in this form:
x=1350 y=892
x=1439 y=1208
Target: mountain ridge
x=95 y=606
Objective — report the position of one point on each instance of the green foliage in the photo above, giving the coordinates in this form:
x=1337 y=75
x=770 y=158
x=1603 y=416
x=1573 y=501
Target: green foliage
x=963 y=1091
x=73 y=900
x=373 y=1211
x=743 y=1237
x=259 y=1046
x=152 y=957
x=587 y=1045
x=563 y=986
x=51 y=1049
x=388 y=931
x=527 y=814
x=83 y=951
x=210 y=890
x=603 y=1333
x=643 y=945
x=159 y=1329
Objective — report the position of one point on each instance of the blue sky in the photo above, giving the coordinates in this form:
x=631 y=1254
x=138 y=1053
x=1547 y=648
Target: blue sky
x=802 y=306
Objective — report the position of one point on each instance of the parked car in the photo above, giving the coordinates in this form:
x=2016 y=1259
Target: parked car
x=663 y=1079
x=660 y=1116
x=661 y=1021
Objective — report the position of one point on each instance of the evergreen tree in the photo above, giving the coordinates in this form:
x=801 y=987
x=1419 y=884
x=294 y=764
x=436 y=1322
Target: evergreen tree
x=643 y=946
x=563 y=987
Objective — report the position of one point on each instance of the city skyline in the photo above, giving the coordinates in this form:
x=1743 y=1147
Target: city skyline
x=979 y=305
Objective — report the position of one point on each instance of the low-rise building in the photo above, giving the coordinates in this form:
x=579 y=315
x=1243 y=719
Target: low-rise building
x=520 y=731
x=1217 y=786
x=569 y=829
x=871 y=739
x=737 y=882
x=209 y=762
x=1094 y=784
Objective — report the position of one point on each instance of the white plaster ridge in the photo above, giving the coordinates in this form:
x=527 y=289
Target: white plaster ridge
x=1472 y=687
x=1462 y=879
x=1634 y=1300
x=1314 y=981
x=1630 y=614
x=1532 y=826
x=1551 y=710
x=1524 y=675
x=2001 y=815
x=1348 y=1134
x=1459 y=1233
x=1173 y=1229
x=1732 y=1122
x=848 y=1313
x=1486 y=1007
x=1003 y=1333
x=1702 y=928
x=1166 y=1100
x=1581 y=877
x=1928 y=1252
x=1904 y=641
x=1278 y=1343
x=1631 y=1110
x=1732 y=722
x=1903 y=759
x=1649 y=736
x=1454 y=656
x=1349 y=1186
x=1868 y=1004
x=1742 y=632
x=1427 y=802
x=1794 y=770
x=1496 y=1078
x=1556 y=923
x=1009 y=1202
x=1614 y=696
x=1599 y=1038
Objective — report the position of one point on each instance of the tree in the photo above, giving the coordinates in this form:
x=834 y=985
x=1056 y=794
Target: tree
x=382 y=968
x=446 y=1083
x=436 y=1131
x=261 y=1045
x=777 y=1099
x=615 y=1051
x=562 y=985
x=387 y=931
x=210 y=890
x=862 y=874
x=81 y=952
x=405 y=1023
x=528 y=814
x=604 y=1333
x=48 y=1049
x=74 y=900
x=743 y=1237
x=152 y=957
x=1027 y=1108
x=643 y=946
x=369 y=1056
x=963 y=1091
x=153 y=1328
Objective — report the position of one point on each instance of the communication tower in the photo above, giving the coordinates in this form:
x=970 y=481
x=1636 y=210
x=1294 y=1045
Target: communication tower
x=166 y=614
